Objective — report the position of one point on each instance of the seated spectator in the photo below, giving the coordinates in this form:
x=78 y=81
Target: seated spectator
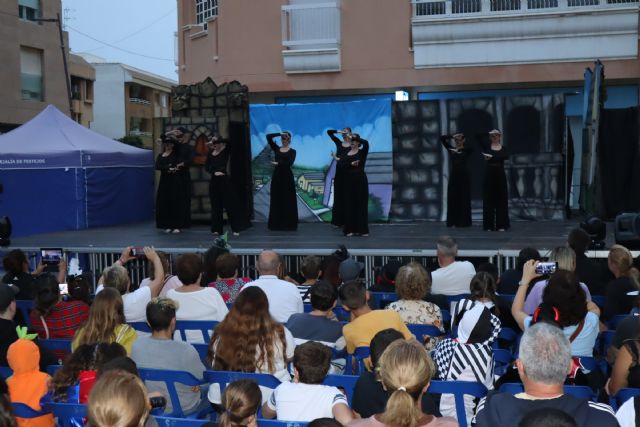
x=331 y=270
x=453 y=277
x=627 y=329
x=626 y=414
x=118 y=399
x=386 y=280
x=543 y=364
x=249 y=339
x=16 y=266
x=316 y=325
x=73 y=382
x=412 y=284
x=7 y=312
x=369 y=397
x=566 y=259
x=311 y=270
x=170 y=281
x=547 y=417
x=588 y=271
x=240 y=403
x=306 y=398
x=626 y=369
x=350 y=270
x=469 y=357
x=483 y=291
x=510 y=279
x=52 y=317
x=228 y=283
x=209 y=273
x=578 y=318
x=122 y=363
x=106 y=323
x=405 y=371
x=365 y=323
x=117 y=277
x=617 y=301
x=160 y=351
x=80 y=288
x=194 y=301
x=284 y=297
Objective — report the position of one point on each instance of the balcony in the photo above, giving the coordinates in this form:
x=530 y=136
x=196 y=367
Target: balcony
x=495 y=32
x=140 y=101
x=311 y=36
x=136 y=132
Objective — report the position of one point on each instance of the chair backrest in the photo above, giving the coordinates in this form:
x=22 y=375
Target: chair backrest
x=5 y=372
x=622 y=396
x=25 y=411
x=502 y=359
x=66 y=412
x=459 y=389
x=178 y=422
x=223 y=378
x=25 y=306
x=206 y=327
x=382 y=299
x=52 y=369
x=277 y=423
x=342 y=314
x=307 y=307
x=55 y=345
x=446 y=318
x=345 y=382
x=420 y=331
x=170 y=378
x=511 y=388
x=359 y=355
x=202 y=350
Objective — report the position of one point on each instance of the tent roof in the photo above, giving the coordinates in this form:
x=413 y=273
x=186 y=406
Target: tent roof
x=53 y=140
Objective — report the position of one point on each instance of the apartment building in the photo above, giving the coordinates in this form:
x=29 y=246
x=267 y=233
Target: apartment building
x=82 y=76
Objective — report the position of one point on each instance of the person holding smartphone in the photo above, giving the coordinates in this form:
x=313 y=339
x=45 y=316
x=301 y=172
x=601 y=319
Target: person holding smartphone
x=217 y=165
x=283 y=208
x=173 y=204
x=495 y=194
x=342 y=147
x=459 y=189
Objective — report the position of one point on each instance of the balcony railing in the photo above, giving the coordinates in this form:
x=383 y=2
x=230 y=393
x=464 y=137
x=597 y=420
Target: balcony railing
x=311 y=25
x=136 y=132
x=141 y=101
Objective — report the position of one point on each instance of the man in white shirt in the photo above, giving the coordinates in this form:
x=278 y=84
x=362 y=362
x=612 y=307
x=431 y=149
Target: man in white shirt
x=284 y=297
x=453 y=277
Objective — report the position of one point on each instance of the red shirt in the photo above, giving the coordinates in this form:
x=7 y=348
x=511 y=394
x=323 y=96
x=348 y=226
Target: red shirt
x=62 y=321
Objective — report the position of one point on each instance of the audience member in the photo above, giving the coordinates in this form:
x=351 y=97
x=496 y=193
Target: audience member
x=405 y=370
x=350 y=270
x=194 y=301
x=543 y=364
x=627 y=329
x=106 y=323
x=547 y=417
x=365 y=323
x=7 y=312
x=626 y=414
x=412 y=284
x=316 y=325
x=578 y=318
x=240 y=403
x=117 y=277
x=306 y=398
x=626 y=369
x=160 y=351
x=453 y=277
x=566 y=260
x=118 y=399
x=331 y=270
x=588 y=271
x=386 y=280
x=311 y=270
x=80 y=288
x=228 y=283
x=284 y=297
x=469 y=357
x=617 y=299
x=249 y=339
x=510 y=279
x=122 y=363
x=209 y=272
x=170 y=281
x=483 y=290
x=16 y=266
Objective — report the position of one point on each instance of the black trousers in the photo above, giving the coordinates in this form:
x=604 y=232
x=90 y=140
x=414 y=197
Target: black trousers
x=221 y=198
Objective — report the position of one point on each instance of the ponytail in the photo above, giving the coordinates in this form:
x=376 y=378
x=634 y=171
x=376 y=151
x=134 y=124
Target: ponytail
x=240 y=401
x=401 y=409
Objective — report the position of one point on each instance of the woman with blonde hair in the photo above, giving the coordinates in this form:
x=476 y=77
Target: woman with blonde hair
x=240 y=401
x=405 y=370
x=118 y=399
x=617 y=300
x=106 y=323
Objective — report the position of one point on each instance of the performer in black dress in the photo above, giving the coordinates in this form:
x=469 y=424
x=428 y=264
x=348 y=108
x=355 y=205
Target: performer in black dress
x=337 y=212
x=220 y=193
x=171 y=214
x=458 y=191
x=356 y=192
x=283 y=208
x=495 y=193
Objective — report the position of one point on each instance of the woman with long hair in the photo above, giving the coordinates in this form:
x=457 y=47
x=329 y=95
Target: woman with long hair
x=405 y=370
x=16 y=267
x=249 y=340
x=118 y=399
x=342 y=147
x=106 y=322
x=283 y=207
x=617 y=301
x=459 y=188
x=240 y=401
x=495 y=193
x=356 y=187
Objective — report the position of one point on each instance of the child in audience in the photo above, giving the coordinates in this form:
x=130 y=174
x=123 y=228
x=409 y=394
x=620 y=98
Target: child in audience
x=306 y=398
x=240 y=402
x=311 y=270
x=118 y=399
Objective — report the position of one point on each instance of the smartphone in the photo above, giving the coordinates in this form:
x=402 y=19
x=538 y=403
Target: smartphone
x=51 y=256
x=546 y=267
x=138 y=252
x=157 y=402
x=64 y=288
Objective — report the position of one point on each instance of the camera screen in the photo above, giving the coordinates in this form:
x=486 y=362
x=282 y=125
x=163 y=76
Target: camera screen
x=51 y=255
x=546 y=267
x=64 y=288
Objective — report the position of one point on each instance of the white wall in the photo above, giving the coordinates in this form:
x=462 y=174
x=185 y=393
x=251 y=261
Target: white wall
x=109 y=103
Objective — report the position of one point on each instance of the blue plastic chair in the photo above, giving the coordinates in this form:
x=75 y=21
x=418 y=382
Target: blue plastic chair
x=66 y=412
x=622 y=396
x=604 y=342
x=202 y=350
x=25 y=307
x=277 y=423
x=222 y=378
x=25 y=411
x=360 y=354
x=382 y=299
x=55 y=345
x=5 y=372
x=508 y=335
x=420 y=330
x=456 y=298
x=459 y=389
x=206 y=327
x=446 y=318
x=307 y=307
x=508 y=297
x=178 y=422
x=345 y=382
x=615 y=320
x=170 y=378
x=52 y=369
x=598 y=300
x=502 y=359
x=511 y=388
x=342 y=314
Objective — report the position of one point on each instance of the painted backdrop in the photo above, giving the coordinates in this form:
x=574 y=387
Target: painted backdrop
x=314 y=168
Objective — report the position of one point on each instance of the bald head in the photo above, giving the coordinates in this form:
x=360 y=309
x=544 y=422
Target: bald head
x=268 y=263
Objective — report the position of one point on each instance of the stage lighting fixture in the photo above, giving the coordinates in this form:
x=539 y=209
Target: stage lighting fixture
x=597 y=231
x=627 y=230
x=5 y=231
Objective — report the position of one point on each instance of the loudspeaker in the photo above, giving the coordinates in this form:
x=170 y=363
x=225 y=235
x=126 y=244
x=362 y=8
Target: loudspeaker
x=627 y=230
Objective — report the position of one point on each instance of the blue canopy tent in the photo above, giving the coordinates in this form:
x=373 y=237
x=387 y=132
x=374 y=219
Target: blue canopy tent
x=58 y=175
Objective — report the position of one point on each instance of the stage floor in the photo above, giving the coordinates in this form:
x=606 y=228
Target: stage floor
x=311 y=236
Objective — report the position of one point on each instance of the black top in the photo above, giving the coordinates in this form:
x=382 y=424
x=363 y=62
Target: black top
x=509 y=281
x=340 y=149
x=627 y=329
x=591 y=274
x=23 y=281
x=8 y=335
x=346 y=161
x=499 y=156
x=314 y=328
x=164 y=163
x=283 y=159
x=217 y=163
x=616 y=300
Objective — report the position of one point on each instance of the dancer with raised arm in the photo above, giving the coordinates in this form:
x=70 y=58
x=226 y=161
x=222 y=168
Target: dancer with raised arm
x=495 y=194
x=356 y=187
x=342 y=147
x=283 y=208
x=458 y=191
x=220 y=193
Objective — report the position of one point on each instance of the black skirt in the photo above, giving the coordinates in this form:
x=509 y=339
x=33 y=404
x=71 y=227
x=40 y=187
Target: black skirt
x=356 y=202
x=173 y=201
x=337 y=212
x=283 y=208
x=458 y=197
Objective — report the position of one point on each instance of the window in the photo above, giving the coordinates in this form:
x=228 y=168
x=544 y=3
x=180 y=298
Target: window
x=89 y=89
x=31 y=74
x=205 y=9
x=29 y=10
x=76 y=88
x=163 y=100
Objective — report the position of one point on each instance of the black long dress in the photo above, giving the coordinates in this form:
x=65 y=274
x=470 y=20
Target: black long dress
x=283 y=207
x=495 y=194
x=337 y=212
x=173 y=208
x=220 y=192
x=458 y=191
x=356 y=192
